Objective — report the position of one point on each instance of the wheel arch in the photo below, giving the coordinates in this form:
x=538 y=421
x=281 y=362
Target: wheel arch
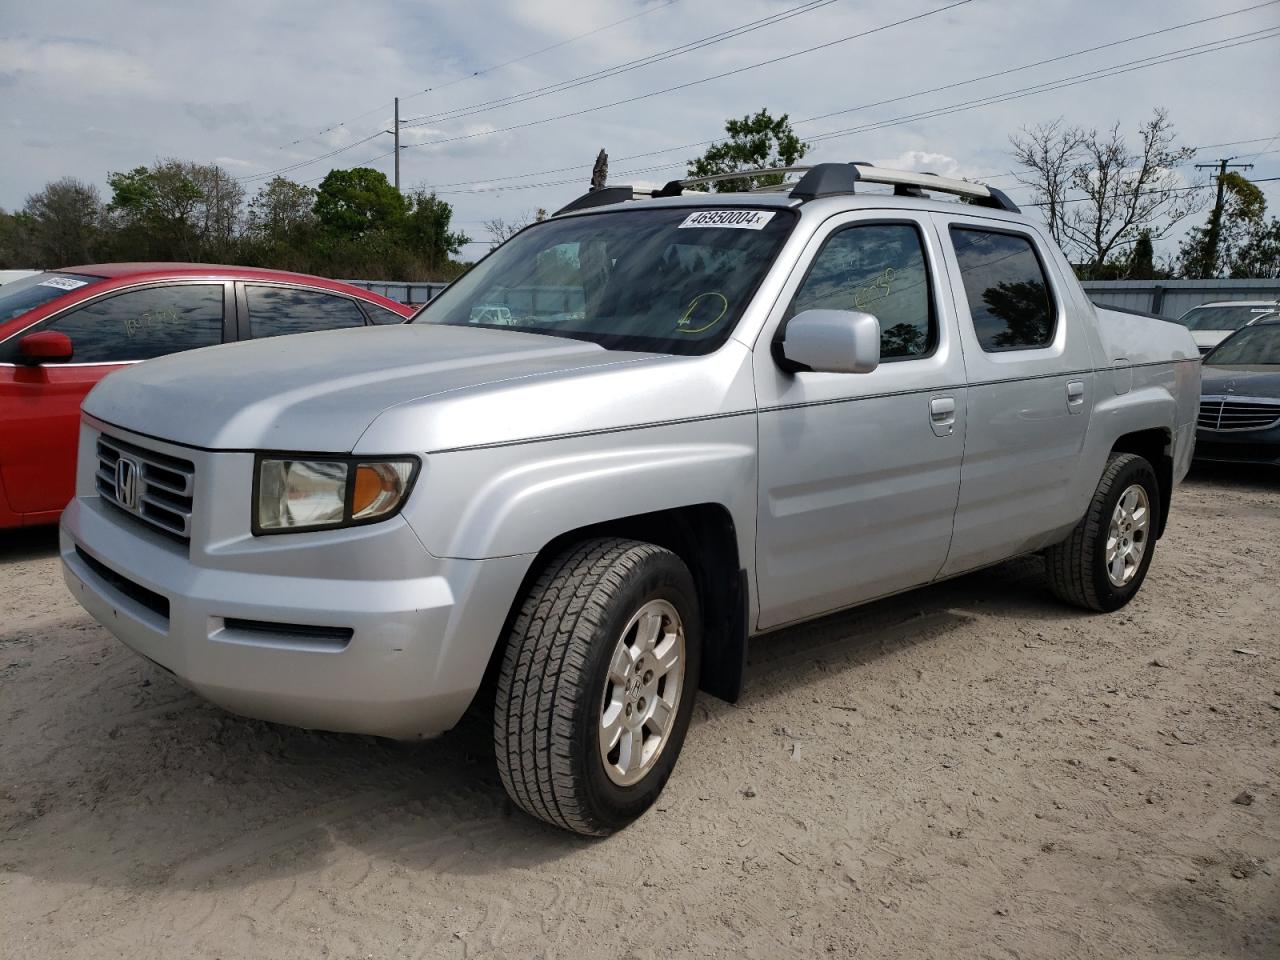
x=1155 y=445
x=705 y=537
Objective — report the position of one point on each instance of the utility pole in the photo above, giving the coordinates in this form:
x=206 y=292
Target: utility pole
x=395 y=132
x=1210 y=259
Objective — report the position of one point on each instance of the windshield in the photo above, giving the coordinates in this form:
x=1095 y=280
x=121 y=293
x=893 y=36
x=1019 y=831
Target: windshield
x=1256 y=345
x=1228 y=317
x=667 y=280
x=30 y=292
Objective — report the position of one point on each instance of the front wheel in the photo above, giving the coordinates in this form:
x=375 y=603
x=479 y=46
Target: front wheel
x=1101 y=565
x=597 y=684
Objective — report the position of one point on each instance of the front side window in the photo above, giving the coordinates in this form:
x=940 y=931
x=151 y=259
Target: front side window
x=1006 y=288
x=278 y=311
x=666 y=279
x=880 y=269
x=141 y=324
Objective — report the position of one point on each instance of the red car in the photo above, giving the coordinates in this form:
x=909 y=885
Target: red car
x=64 y=330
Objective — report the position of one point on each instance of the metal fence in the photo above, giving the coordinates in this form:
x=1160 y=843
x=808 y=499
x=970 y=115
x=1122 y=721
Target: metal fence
x=1173 y=298
x=1168 y=298
x=401 y=292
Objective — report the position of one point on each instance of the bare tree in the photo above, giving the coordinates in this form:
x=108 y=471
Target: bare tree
x=500 y=230
x=1126 y=192
x=1050 y=152
x=66 y=221
x=220 y=215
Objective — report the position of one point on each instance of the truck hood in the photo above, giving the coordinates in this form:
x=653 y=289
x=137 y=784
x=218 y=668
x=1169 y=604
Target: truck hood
x=1241 y=380
x=1208 y=339
x=321 y=391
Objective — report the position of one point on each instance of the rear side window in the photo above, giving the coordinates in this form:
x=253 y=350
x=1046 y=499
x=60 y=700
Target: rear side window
x=1006 y=287
x=381 y=315
x=142 y=324
x=277 y=311
x=879 y=269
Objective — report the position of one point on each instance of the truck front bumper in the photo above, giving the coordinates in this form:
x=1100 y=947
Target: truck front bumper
x=394 y=657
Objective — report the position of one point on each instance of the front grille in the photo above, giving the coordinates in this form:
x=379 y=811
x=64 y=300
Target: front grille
x=136 y=592
x=1226 y=413
x=1238 y=452
x=154 y=487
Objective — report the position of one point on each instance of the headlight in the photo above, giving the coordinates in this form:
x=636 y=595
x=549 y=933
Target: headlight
x=294 y=495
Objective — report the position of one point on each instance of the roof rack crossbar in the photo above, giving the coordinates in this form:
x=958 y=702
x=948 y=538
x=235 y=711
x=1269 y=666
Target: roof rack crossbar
x=818 y=180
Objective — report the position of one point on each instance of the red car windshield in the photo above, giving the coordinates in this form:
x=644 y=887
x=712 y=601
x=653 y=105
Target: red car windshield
x=30 y=292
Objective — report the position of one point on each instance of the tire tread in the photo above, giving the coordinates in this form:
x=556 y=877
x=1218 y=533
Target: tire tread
x=543 y=676
x=1069 y=564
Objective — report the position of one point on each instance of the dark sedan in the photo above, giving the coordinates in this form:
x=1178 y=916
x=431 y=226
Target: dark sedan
x=1240 y=397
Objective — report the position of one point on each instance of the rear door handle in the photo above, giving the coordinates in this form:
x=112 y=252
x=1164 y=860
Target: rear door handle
x=942 y=415
x=1075 y=396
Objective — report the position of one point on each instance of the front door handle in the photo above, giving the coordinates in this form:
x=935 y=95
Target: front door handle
x=942 y=415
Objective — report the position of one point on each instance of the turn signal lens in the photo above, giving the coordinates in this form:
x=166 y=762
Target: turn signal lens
x=379 y=488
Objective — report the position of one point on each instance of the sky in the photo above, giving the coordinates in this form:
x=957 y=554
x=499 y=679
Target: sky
x=266 y=85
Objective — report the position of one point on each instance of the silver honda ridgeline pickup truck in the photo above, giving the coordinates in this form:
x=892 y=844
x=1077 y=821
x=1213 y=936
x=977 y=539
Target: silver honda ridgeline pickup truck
x=632 y=437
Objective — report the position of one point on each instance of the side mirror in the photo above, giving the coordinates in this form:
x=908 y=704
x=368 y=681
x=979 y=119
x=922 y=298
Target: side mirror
x=48 y=346
x=832 y=341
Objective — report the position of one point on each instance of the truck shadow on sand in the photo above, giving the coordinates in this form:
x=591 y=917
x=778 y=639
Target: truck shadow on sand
x=113 y=774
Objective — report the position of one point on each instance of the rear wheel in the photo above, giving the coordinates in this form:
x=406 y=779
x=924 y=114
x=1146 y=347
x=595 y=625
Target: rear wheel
x=597 y=684
x=1101 y=565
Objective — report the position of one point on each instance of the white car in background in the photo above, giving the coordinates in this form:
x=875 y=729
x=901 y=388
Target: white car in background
x=8 y=276
x=1211 y=323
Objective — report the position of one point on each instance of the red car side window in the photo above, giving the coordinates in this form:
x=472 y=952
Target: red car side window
x=141 y=324
x=276 y=311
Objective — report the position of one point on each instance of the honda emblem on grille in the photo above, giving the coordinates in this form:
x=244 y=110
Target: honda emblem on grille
x=127 y=483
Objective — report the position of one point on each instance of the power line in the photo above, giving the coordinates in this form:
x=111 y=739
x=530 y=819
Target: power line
x=288 y=168
x=1171 y=56
x=918 y=93
x=457 y=113
x=1031 y=90
x=1177 y=190
x=919 y=16
x=701 y=80
x=480 y=73
x=535 y=53
x=661 y=55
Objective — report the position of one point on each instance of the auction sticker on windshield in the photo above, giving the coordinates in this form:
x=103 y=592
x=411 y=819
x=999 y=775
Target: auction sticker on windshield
x=63 y=283
x=733 y=219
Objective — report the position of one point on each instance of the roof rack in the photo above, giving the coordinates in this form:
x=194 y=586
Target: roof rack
x=818 y=180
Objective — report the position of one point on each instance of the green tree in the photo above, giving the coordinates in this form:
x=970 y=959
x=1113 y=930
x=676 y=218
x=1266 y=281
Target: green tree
x=425 y=228
x=17 y=249
x=1208 y=251
x=755 y=142
x=175 y=210
x=353 y=203
x=65 y=220
x=1258 y=256
x=1142 y=258
x=281 y=211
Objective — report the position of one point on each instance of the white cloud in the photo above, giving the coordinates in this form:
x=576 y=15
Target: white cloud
x=69 y=67
x=171 y=80
x=925 y=162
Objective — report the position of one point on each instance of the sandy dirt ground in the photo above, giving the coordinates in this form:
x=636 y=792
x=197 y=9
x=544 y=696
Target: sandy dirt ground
x=967 y=771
